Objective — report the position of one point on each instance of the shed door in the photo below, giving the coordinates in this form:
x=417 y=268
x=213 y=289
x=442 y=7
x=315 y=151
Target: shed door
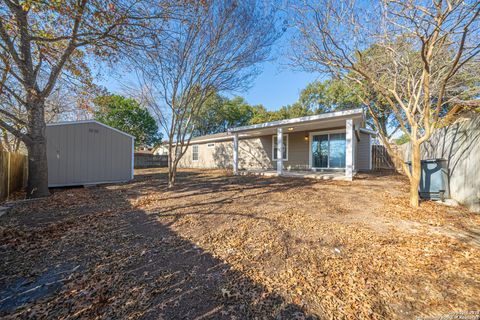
x=53 y=157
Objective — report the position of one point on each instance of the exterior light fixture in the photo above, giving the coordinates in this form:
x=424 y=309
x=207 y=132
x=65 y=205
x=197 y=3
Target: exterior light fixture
x=290 y=129
x=306 y=138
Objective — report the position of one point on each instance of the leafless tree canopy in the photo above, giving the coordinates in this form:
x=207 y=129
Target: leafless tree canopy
x=211 y=46
x=418 y=56
x=43 y=41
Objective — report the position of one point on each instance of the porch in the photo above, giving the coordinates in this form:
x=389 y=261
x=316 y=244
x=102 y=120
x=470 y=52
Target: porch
x=332 y=175
x=323 y=146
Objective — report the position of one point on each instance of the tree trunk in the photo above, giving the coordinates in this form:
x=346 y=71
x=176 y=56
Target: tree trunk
x=416 y=173
x=37 y=169
x=37 y=153
x=172 y=166
x=172 y=174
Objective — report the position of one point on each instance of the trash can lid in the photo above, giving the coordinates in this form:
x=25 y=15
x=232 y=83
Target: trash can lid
x=433 y=160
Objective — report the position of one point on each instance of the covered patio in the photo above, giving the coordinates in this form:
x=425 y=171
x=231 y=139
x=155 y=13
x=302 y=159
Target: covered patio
x=332 y=175
x=324 y=147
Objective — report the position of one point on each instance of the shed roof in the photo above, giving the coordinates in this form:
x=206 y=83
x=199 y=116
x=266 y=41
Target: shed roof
x=64 y=123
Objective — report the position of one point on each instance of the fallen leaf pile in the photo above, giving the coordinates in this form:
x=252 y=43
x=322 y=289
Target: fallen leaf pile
x=220 y=246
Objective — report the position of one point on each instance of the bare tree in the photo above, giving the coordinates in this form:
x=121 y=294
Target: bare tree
x=214 y=46
x=418 y=56
x=42 y=41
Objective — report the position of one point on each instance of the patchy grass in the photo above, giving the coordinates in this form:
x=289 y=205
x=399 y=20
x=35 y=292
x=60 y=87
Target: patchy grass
x=220 y=246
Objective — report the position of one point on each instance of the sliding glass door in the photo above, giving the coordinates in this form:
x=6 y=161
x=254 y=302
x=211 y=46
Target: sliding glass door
x=320 y=151
x=328 y=151
x=337 y=150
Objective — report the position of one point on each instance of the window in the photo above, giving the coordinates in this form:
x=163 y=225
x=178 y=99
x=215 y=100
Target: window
x=195 y=153
x=210 y=145
x=285 y=147
x=327 y=150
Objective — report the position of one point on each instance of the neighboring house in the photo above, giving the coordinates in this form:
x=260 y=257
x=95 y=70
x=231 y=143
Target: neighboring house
x=145 y=150
x=161 y=150
x=88 y=152
x=328 y=142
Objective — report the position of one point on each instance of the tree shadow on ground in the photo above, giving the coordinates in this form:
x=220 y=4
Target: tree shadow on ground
x=191 y=183
x=120 y=262
x=196 y=183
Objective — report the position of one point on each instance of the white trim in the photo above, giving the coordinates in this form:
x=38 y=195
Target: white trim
x=133 y=158
x=286 y=122
x=235 y=153
x=354 y=148
x=280 y=151
x=63 y=123
x=317 y=133
x=370 y=167
x=274 y=157
x=198 y=152
x=349 y=137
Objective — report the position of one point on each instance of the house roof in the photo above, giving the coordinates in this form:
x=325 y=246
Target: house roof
x=355 y=113
x=319 y=121
x=212 y=137
x=143 y=152
x=64 y=123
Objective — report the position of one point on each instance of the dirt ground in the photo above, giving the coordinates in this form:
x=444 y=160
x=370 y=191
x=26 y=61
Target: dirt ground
x=238 y=247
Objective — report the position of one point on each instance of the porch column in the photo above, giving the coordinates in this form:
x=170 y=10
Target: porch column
x=349 y=149
x=279 y=151
x=235 y=154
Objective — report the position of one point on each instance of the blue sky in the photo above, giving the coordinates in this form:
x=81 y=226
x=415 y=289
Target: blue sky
x=277 y=85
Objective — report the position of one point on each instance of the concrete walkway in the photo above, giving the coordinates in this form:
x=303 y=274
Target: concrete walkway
x=333 y=175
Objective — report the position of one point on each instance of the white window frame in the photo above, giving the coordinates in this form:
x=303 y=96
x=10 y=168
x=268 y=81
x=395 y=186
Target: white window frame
x=310 y=137
x=274 y=154
x=211 y=145
x=195 y=146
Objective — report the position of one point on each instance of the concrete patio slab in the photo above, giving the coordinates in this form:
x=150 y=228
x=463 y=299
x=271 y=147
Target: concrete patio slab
x=299 y=174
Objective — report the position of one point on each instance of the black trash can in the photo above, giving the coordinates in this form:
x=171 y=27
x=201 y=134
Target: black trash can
x=433 y=179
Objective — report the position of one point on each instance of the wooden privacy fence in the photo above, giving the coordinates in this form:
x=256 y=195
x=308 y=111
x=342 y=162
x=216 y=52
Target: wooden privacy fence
x=148 y=160
x=381 y=160
x=13 y=173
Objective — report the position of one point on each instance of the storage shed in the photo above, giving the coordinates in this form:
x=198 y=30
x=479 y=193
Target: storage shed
x=88 y=152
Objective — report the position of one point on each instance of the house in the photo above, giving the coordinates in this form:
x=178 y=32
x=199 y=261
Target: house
x=88 y=152
x=335 y=143
x=145 y=150
x=162 y=149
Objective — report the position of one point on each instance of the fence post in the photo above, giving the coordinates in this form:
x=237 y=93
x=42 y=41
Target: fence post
x=8 y=174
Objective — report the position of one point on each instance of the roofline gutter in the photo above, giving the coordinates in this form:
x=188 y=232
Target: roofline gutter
x=227 y=137
x=368 y=131
x=307 y=119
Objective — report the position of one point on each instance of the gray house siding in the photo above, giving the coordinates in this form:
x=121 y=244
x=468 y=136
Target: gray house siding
x=256 y=153
x=363 y=152
x=219 y=155
x=87 y=153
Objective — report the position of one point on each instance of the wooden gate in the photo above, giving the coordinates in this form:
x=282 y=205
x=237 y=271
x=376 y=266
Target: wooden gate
x=381 y=159
x=13 y=173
